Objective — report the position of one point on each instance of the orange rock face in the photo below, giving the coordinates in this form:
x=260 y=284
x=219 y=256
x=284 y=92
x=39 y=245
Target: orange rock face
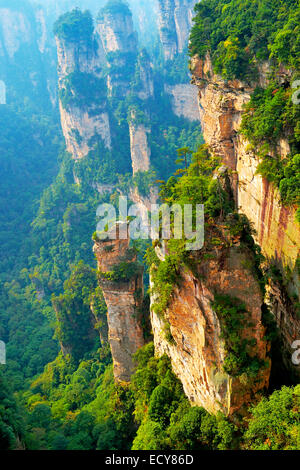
x=277 y=232
x=124 y=301
x=198 y=352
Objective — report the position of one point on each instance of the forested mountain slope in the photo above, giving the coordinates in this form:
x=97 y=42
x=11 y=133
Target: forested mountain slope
x=94 y=359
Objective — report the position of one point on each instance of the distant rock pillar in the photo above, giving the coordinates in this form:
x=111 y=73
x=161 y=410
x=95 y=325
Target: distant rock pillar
x=123 y=293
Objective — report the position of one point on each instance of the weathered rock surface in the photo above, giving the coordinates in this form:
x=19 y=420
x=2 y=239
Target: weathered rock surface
x=146 y=86
x=120 y=44
x=79 y=127
x=124 y=301
x=167 y=28
x=183 y=13
x=198 y=352
x=220 y=110
x=140 y=150
x=175 y=20
x=79 y=124
x=277 y=232
x=116 y=32
x=82 y=56
x=184 y=101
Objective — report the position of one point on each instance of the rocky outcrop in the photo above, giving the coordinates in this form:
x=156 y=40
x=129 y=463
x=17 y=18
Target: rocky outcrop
x=140 y=150
x=90 y=120
x=184 y=101
x=167 y=28
x=221 y=105
x=120 y=44
x=138 y=129
x=112 y=51
x=197 y=350
x=183 y=14
x=124 y=299
x=84 y=56
x=277 y=232
x=116 y=31
x=175 y=20
x=145 y=87
x=79 y=127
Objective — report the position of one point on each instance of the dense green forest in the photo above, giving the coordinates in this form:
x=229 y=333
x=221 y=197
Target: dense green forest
x=46 y=230
x=75 y=403
x=57 y=390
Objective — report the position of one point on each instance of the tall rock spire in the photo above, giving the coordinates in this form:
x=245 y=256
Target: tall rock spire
x=82 y=91
x=121 y=280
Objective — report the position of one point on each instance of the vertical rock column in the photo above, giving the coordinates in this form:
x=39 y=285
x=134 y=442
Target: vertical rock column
x=120 y=44
x=183 y=15
x=140 y=151
x=124 y=298
x=167 y=28
x=175 y=21
x=83 y=107
x=139 y=123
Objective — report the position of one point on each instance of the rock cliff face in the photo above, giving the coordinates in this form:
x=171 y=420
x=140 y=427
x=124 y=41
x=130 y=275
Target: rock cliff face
x=175 y=20
x=81 y=123
x=221 y=105
x=79 y=127
x=116 y=31
x=138 y=132
x=145 y=88
x=85 y=55
x=140 y=150
x=120 y=44
x=197 y=351
x=110 y=51
x=183 y=15
x=167 y=28
x=184 y=101
x=124 y=300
